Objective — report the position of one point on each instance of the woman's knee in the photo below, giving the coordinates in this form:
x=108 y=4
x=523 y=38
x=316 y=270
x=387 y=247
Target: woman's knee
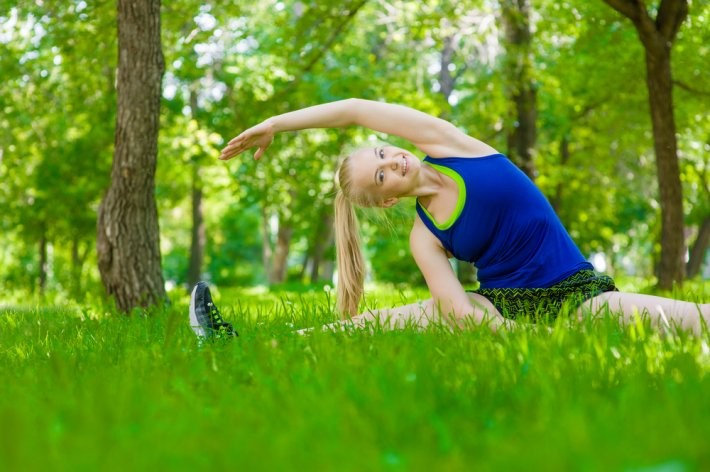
x=483 y=307
x=603 y=303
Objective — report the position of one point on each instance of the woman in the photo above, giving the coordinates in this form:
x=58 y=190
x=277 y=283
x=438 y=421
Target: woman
x=473 y=204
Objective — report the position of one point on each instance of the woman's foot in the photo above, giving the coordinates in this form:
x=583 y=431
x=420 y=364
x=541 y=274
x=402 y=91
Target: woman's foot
x=205 y=319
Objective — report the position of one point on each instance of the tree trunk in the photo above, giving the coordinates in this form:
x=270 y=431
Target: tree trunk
x=266 y=247
x=522 y=132
x=699 y=250
x=279 y=262
x=42 y=263
x=657 y=38
x=197 y=246
x=559 y=189
x=76 y=266
x=327 y=270
x=323 y=240
x=465 y=271
x=671 y=267
x=447 y=81
x=128 y=242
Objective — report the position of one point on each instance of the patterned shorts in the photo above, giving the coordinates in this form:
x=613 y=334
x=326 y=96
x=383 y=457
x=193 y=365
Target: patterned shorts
x=541 y=303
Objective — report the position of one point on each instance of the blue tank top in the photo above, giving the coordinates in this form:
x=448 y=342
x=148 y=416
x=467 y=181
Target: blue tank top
x=504 y=225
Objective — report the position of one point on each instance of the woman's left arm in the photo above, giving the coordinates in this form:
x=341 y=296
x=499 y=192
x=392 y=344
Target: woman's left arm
x=433 y=136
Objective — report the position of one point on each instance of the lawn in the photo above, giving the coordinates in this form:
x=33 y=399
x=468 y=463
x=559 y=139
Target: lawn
x=85 y=389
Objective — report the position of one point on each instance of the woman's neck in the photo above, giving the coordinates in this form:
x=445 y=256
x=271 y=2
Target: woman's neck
x=431 y=182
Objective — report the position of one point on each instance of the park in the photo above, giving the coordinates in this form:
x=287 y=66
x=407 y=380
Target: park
x=122 y=188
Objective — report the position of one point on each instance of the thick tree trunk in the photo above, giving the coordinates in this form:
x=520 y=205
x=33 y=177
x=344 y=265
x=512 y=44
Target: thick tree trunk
x=197 y=246
x=128 y=242
x=522 y=132
x=657 y=38
x=699 y=249
x=671 y=267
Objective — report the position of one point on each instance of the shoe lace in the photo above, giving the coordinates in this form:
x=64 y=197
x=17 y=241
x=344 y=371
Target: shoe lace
x=215 y=315
x=218 y=324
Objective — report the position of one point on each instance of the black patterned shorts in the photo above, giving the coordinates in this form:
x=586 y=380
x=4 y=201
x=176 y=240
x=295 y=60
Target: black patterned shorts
x=546 y=303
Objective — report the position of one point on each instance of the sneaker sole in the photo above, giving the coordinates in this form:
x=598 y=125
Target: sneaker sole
x=194 y=324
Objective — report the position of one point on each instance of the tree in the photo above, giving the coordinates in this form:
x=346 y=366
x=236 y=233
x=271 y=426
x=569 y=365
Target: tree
x=518 y=43
x=128 y=235
x=657 y=37
x=197 y=245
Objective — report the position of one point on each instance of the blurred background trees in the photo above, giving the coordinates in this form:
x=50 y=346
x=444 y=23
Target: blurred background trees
x=560 y=86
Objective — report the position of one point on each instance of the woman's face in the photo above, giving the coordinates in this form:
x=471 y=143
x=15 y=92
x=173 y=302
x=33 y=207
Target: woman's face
x=385 y=172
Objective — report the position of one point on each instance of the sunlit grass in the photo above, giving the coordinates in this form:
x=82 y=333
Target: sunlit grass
x=87 y=390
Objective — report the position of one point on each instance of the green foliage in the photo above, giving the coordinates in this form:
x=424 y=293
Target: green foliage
x=92 y=389
x=57 y=99
x=230 y=65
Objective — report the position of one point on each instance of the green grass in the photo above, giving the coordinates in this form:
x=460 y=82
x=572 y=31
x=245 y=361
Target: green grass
x=86 y=390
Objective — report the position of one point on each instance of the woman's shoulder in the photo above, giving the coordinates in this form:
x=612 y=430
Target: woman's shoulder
x=444 y=159
x=464 y=146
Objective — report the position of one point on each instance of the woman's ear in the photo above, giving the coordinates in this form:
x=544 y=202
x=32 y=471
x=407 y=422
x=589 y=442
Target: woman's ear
x=391 y=201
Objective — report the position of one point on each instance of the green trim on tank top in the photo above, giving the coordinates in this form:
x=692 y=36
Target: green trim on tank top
x=459 y=204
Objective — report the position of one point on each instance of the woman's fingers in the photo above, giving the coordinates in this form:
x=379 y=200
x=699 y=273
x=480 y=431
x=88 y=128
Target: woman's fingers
x=232 y=150
x=236 y=139
x=253 y=137
x=259 y=152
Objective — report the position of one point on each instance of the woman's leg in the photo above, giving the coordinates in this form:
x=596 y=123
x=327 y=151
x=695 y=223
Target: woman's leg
x=418 y=314
x=663 y=312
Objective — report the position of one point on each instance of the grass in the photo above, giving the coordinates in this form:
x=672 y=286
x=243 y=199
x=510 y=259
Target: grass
x=85 y=390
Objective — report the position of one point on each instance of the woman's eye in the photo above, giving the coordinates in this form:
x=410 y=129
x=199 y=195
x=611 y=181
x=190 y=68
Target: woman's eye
x=382 y=153
x=381 y=176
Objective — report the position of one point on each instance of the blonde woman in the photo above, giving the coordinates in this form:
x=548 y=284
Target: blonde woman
x=473 y=204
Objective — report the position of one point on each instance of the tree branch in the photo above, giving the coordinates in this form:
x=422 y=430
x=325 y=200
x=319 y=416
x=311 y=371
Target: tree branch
x=690 y=89
x=628 y=8
x=321 y=51
x=671 y=14
x=351 y=14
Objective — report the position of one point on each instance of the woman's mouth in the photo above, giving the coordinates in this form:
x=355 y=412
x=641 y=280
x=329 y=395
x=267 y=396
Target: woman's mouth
x=404 y=167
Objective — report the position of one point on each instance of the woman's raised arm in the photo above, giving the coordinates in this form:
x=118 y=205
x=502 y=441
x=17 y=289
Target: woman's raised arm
x=434 y=136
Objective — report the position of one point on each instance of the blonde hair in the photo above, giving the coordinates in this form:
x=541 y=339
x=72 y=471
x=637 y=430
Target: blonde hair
x=350 y=261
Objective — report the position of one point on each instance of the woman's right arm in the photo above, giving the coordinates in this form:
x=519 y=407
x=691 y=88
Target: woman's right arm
x=450 y=298
x=434 y=136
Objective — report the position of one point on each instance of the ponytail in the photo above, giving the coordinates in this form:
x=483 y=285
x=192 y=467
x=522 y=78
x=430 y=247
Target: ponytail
x=351 y=264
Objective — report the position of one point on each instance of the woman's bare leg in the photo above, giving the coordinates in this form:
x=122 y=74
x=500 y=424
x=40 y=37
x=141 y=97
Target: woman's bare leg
x=418 y=314
x=665 y=313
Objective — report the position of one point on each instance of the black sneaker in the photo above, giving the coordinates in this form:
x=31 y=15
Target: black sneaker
x=205 y=319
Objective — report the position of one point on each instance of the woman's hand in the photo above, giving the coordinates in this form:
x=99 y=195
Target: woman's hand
x=260 y=136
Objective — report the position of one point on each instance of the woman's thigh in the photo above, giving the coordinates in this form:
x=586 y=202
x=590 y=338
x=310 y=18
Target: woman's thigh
x=666 y=312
